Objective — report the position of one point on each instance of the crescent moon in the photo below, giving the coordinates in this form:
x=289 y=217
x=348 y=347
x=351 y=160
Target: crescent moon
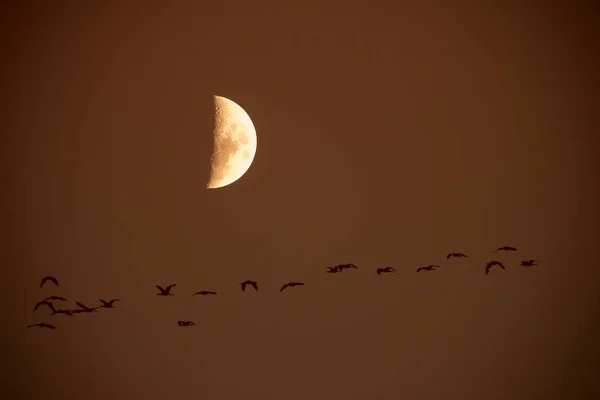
x=234 y=145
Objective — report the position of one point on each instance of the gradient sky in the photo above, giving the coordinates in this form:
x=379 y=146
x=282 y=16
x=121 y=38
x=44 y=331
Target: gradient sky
x=388 y=135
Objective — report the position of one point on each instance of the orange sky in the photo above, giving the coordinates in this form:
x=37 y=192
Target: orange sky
x=388 y=135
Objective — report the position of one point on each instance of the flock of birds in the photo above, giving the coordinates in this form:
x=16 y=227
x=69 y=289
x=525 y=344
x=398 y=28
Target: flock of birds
x=49 y=302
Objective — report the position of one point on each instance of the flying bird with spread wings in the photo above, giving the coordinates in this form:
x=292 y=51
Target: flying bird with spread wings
x=49 y=279
x=42 y=325
x=529 y=263
x=44 y=303
x=291 y=284
x=65 y=312
x=455 y=255
x=84 y=309
x=165 y=291
x=342 y=267
x=186 y=323
x=505 y=248
x=385 y=270
x=250 y=283
x=205 y=293
x=428 y=268
x=108 y=304
x=491 y=264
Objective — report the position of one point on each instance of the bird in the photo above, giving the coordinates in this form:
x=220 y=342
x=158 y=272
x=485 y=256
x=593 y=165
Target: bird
x=167 y=291
x=44 y=303
x=342 y=267
x=49 y=278
x=450 y=255
x=385 y=270
x=428 y=268
x=332 y=270
x=291 y=284
x=204 y=293
x=528 y=263
x=42 y=325
x=505 y=248
x=489 y=265
x=186 y=323
x=66 y=312
x=108 y=304
x=58 y=298
x=84 y=308
x=251 y=283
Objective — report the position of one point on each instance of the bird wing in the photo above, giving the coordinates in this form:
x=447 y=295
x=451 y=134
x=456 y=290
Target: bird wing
x=254 y=285
x=104 y=303
x=420 y=268
x=44 y=279
x=392 y=269
x=54 y=280
x=80 y=305
x=243 y=284
x=449 y=255
x=284 y=286
x=170 y=286
x=162 y=290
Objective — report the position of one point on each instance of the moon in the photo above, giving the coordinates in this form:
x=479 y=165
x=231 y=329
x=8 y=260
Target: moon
x=234 y=145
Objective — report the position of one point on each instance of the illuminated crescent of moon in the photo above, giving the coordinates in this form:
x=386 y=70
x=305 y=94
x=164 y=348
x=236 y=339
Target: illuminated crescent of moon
x=234 y=145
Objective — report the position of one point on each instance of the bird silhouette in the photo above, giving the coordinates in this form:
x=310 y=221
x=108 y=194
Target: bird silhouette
x=457 y=255
x=84 y=308
x=44 y=303
x=291 y=284
x=49 y=278
x=57 y=298
x=342 y=267
x=186 y=323
x=204 y=293
x=491 y=264
x=428 y=268
x=505 y=248
x=108 y=304
x=42 y=325
x=167 y=291
x=65 y=312
x=251 y=283
x=385 y=270
x=332 y=270
x=528 y=263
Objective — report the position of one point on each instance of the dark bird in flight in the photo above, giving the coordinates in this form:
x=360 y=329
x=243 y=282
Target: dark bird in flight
x=44 y=303
x=291 y=284
x=186 y=323
x=385 y=270
x=251 y=283
x=489 y=265
x=66 y=312
x=528 y=263
x=204 y=293
x=108 y=304
x=84 y=308
x=58 y=298
x=342 y=267
x=457 y=255
x=42 y=325
x=167 y=291
x=333 y=270
x=49 y=278
x=428 y=268
x=505 y=248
